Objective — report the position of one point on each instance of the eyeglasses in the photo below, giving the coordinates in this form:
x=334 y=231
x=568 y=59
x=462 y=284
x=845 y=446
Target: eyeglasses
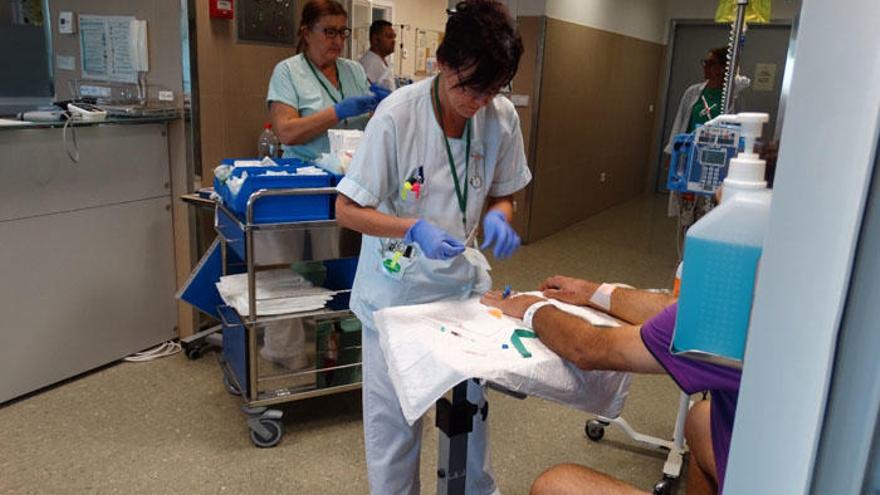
x=476 y=93
x=711 y=61
x=332 y=33
x=480 y=95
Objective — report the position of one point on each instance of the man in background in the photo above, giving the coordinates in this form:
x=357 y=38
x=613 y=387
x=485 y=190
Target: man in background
x=382 y=39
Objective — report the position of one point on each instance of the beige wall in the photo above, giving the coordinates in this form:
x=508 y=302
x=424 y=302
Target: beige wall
x=163 y=34
x=531 y=29
x=596 y=92
x=164 y=41
x=233 y=78
x=642 y=19
x=423 y=14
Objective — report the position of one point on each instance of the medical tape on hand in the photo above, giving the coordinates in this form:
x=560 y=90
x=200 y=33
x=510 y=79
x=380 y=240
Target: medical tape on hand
x=530 y=312
x=602 y=296
x=516 y=339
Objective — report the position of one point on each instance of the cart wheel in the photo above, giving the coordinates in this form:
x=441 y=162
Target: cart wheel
x=271 y=436
x=230 y=387
x=595 y=430
x=194 y=352
x=664 y=486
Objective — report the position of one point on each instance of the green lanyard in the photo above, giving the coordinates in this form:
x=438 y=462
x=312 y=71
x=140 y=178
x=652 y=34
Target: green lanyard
x=462 y=198
x=339 y=79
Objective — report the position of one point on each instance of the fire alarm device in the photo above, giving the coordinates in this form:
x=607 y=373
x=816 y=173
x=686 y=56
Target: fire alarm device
x=221 y=9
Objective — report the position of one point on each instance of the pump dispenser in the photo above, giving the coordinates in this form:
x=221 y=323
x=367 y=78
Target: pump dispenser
x=721 y=255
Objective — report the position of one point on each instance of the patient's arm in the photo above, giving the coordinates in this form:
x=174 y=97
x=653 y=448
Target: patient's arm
x=574 y=339
x=631 y=305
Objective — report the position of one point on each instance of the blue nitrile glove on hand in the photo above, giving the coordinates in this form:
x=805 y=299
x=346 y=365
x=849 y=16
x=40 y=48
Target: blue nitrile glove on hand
x=436 y=243
x=499 y=232
x=380 y=91
x=355 y=105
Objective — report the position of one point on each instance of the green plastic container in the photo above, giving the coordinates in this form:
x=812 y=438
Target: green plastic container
x=313 y=271
x=338 y=343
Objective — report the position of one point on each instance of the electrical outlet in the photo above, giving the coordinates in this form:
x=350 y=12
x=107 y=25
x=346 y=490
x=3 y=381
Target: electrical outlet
x=404 y=54
x=603 y=177
x=65 y=23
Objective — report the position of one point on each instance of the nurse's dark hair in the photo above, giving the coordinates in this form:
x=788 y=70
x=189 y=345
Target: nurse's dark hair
x=481 y=34
x=312 y=12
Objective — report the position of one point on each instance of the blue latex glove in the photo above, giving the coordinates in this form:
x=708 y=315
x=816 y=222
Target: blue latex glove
x=499 y=232
x=434 y=241
x=380 y=91
x=355 y=105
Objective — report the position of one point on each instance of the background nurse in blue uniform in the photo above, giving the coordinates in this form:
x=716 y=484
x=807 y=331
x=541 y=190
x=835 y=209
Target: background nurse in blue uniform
x=316 y=89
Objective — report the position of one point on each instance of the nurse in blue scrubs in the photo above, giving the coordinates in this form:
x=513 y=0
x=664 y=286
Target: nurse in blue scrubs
x=309 y=93
x=316 y=89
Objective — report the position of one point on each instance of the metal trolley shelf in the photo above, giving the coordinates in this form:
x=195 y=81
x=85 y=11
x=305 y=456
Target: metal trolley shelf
x=247 y=246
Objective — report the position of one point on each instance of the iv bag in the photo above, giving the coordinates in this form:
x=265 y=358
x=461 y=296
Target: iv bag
x=757 y=11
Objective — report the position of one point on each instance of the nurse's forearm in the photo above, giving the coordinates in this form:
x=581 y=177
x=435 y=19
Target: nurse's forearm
x=504 y=204
x=369 y=220
x=293 y=130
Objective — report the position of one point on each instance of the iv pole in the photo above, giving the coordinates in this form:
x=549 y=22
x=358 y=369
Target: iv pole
x=733 y=55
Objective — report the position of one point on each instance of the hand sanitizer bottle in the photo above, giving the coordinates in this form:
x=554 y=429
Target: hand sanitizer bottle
x=721 y=258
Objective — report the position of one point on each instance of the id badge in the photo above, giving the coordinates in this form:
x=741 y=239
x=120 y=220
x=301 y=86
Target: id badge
x=477 y=173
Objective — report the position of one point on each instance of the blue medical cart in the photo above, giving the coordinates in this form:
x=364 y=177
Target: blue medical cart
x=251 y=239
x=259 y=382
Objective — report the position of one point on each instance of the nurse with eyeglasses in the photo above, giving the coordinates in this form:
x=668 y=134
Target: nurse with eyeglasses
x=316 y=89
x=440 y=159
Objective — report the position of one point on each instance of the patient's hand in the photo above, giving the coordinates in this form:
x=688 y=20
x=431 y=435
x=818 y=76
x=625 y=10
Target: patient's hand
x=568 y=289
x=514 y=306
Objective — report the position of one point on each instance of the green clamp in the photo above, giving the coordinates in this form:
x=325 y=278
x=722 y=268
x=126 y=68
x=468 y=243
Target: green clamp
x=393 y=264
x=516 y=339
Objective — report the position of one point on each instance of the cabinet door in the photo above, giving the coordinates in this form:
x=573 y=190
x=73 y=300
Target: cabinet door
x=117 y=163
x=82 y=289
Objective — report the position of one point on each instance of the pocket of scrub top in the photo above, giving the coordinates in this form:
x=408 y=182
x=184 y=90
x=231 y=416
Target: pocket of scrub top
x=411 y=193
x=409 y=207
x=395 y=267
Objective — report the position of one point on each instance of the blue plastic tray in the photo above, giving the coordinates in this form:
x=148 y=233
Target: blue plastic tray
x=278 y=209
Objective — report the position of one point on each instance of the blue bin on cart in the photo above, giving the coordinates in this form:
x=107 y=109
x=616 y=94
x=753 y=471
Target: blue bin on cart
x=235 y=347
x=279 y=209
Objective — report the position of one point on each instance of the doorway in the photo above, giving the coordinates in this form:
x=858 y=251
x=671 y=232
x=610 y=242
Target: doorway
x=363 y=13
x=764 y=53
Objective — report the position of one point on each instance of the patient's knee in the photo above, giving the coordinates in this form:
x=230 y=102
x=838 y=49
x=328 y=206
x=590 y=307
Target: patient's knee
x=696 y=427
x=558 y=479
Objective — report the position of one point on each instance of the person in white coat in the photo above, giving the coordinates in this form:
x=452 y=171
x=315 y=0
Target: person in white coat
x=700 y=103
x=375 y=60
x=435 y=154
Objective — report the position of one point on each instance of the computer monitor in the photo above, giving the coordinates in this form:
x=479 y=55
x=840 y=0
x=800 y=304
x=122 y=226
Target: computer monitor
x=26 y=79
